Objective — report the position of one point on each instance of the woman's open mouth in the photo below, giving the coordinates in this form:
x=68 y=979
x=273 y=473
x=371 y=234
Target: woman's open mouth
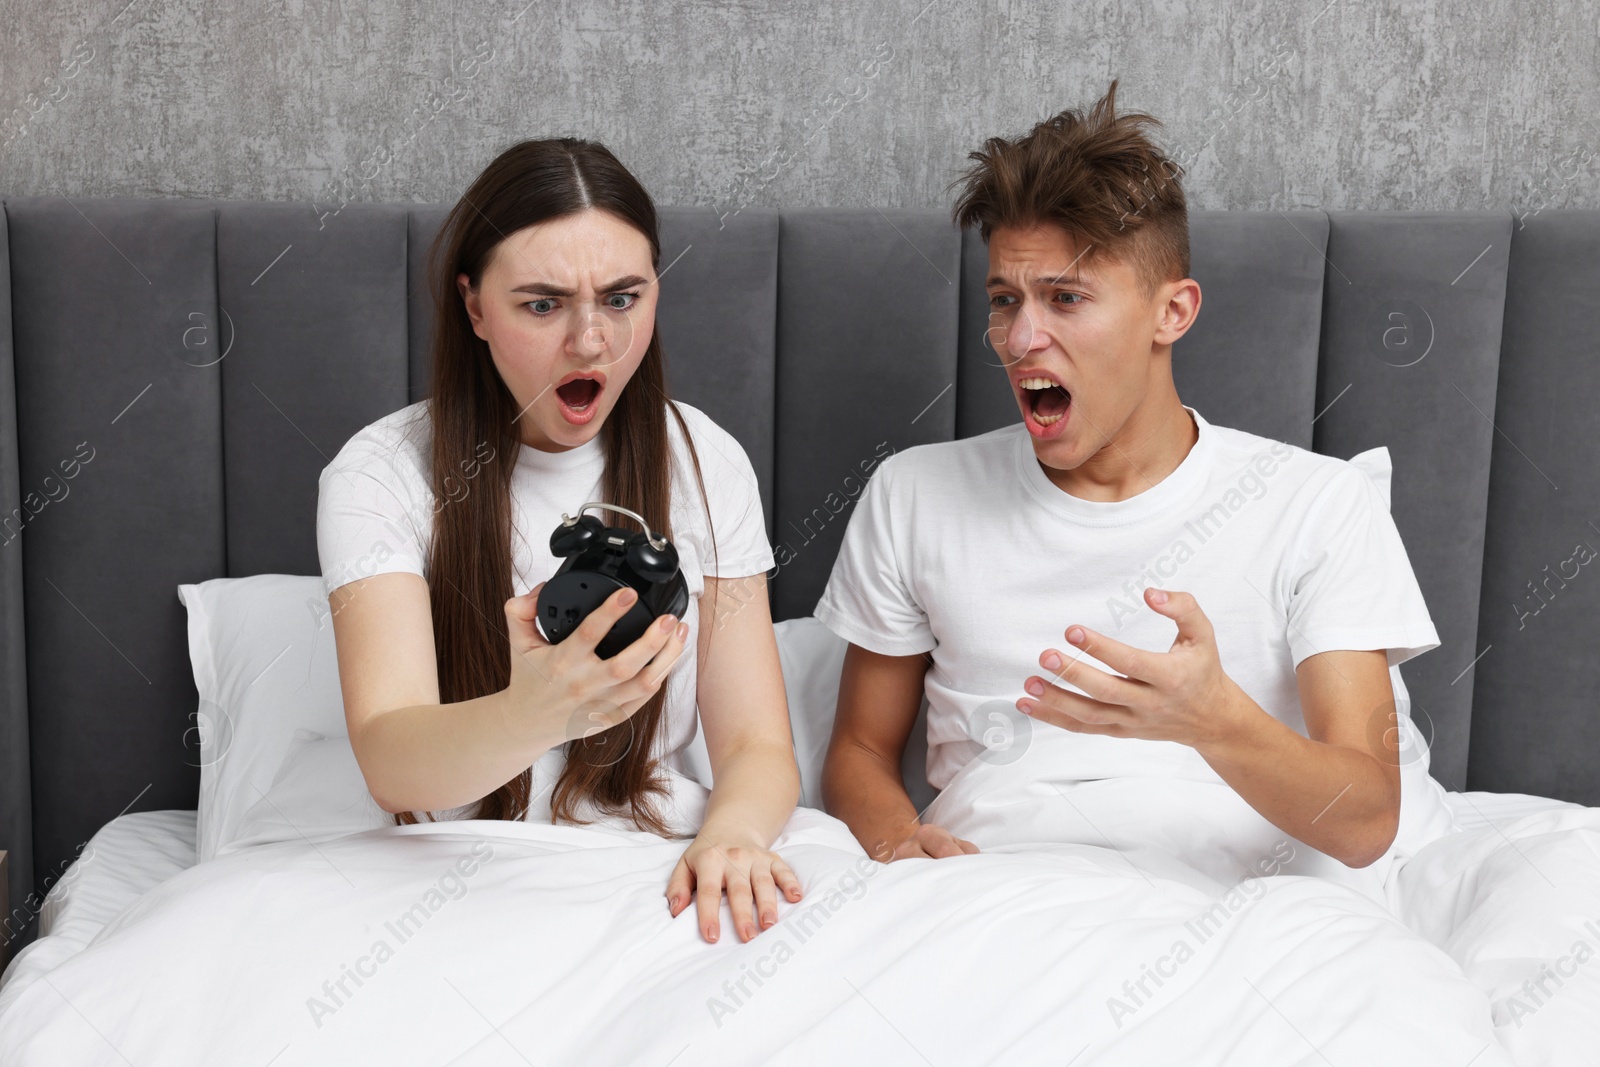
x=1046 y=405
x=579 y=397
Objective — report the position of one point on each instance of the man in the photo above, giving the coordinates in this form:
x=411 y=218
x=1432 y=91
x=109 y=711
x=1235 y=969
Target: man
x=1114 y=565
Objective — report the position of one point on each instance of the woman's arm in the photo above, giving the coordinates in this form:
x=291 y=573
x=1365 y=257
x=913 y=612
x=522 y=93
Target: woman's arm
x=756 y=782
x=420 y=755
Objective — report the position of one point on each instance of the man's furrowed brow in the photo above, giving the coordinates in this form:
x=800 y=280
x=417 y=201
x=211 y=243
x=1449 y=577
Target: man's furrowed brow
x=1043 y=281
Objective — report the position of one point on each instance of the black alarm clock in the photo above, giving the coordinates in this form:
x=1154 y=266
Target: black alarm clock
x=601 y=559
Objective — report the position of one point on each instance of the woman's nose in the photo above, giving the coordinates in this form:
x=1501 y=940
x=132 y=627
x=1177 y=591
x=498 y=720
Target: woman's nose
x=595 y=334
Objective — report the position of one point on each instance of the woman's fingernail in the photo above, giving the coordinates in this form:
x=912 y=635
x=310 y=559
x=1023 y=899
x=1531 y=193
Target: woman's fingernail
x=629 y=595
x=683 y=631
x=1075 y=635
x=711 y=935
x=1034 y=686
x=749 y=932
x=666 y=623
x=1052 y=662
x=1158 y=595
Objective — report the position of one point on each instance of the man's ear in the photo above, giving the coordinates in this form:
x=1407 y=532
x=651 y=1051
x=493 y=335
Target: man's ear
x=1180 y=306
x=473 y=304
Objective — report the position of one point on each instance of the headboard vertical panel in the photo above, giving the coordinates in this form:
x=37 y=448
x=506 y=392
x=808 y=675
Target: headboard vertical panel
x=984 y=400
x=424 y=222
x=868 y=312
x=1534 y=726
x=718 y=321
x=118 y=418
x=318 y=313
x=16 y=793
x=1410 y=355
x=1250 y=359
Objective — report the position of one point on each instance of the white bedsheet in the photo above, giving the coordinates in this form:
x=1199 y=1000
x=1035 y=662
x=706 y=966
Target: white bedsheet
x=1035 y=955
x=127 y=857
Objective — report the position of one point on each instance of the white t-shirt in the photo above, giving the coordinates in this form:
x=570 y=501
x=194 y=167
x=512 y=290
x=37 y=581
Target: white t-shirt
x=965 y=550
x=375 y=514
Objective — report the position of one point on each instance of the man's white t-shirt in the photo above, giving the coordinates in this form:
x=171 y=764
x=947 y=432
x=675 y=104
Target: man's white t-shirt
x=375 y=509
x=966 y=551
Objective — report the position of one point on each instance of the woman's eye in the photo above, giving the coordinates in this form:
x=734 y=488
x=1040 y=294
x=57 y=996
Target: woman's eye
x=542 y=307
x=621 y=301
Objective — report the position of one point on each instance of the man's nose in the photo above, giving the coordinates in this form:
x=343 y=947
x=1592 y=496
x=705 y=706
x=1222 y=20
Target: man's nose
x=1024 y=336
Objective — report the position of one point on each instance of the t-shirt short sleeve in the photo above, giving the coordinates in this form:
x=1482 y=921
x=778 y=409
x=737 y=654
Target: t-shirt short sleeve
x=1351 y=582
x=867 y=600
x=738 y=521
x=372 y=515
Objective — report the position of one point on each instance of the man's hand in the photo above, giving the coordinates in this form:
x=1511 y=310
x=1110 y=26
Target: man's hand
x=1179 y=695
x=1335 y=790
x=926 y=842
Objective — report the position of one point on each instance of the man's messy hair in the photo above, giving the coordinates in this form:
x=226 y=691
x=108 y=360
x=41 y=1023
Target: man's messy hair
x=1098 y=177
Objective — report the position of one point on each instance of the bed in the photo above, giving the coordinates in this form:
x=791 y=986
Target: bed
x=201 y=872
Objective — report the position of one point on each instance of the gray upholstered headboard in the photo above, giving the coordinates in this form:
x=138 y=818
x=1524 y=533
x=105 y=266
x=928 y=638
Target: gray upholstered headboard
x=195 y=364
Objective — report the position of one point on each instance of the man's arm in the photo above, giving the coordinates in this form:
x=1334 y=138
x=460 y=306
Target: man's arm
x=1339 y=789
x=861 y=784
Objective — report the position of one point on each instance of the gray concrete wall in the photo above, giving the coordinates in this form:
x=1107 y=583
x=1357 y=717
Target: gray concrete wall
x=1360 y=104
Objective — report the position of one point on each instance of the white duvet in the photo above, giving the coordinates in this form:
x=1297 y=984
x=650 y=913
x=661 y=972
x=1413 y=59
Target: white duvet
x=521 y=943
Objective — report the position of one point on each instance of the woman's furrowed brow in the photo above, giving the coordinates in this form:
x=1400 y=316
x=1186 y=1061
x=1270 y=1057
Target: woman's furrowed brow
x=631 y=281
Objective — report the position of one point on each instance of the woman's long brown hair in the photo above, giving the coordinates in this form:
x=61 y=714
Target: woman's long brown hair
x=470 y=408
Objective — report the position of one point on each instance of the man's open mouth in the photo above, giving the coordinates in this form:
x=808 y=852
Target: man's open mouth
x=579 y=393
x=1047 y=400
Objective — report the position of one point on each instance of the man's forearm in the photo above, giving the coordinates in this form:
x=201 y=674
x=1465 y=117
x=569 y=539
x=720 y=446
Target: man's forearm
x=1336 y=799
x=860 y=788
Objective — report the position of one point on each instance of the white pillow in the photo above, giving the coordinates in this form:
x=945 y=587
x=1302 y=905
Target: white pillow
x=811 y=656
x=318 y=793
x=265 y=666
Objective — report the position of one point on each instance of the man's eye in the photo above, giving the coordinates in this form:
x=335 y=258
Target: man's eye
x=1000 y=300
x=1069 y=298
x=621 y=301
x=542 y=307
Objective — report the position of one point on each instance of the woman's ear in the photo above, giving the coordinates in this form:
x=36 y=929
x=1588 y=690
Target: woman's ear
x=473 y=304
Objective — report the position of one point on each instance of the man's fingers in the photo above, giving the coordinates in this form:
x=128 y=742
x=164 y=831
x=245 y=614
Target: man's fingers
x=1182 y=608
x=944 y=847
x=967 y=846
x=1058 y=706
x=1137 y=664
x=1070 y=669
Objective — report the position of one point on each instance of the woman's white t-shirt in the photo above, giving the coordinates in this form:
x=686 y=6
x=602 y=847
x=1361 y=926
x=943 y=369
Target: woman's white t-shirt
x=375 y=508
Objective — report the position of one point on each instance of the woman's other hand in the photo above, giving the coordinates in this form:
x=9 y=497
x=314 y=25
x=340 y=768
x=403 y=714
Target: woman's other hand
x=752 y=876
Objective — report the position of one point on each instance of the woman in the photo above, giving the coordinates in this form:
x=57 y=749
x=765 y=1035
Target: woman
x=434 y=523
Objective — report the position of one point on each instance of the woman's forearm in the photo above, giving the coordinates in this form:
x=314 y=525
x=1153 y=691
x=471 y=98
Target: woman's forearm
x=432 y=757
x=1336 y=799
x=755 y=791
